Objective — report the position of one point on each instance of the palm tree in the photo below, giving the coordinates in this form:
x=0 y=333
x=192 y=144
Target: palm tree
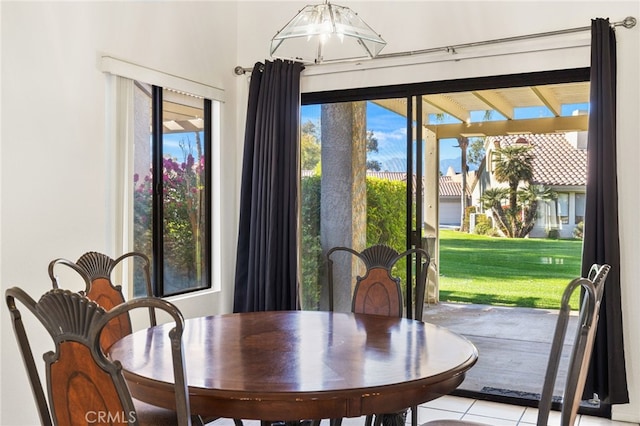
x=513 y=164
x=492 y=199
x=529 y=198
x=520 y=224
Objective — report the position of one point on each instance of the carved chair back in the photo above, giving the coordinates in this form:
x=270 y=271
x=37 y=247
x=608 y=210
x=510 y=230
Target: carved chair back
x=96 y=269
x=82 y=382
x=378 y=291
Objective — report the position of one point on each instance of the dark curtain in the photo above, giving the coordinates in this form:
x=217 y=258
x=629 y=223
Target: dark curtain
x=607 y=375
x=267 y=258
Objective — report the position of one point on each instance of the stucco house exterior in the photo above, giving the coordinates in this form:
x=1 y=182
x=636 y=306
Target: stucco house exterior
x=560 y=164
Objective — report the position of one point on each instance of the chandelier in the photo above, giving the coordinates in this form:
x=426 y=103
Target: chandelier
x=326 y=33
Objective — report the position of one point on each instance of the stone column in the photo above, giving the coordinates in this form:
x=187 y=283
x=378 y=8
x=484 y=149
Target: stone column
x=343 y=210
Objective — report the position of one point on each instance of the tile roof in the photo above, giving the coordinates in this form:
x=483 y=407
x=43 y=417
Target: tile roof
x=556 y=162
x=402 y=176
x=449 y=188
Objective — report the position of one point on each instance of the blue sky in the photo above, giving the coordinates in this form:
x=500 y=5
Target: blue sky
x=171 y=144
x=390 y=130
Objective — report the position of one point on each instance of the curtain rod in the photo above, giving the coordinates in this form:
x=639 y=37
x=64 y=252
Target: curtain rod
x=628 y=22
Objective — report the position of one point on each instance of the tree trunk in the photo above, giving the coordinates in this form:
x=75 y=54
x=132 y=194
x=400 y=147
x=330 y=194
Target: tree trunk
x=463 y=143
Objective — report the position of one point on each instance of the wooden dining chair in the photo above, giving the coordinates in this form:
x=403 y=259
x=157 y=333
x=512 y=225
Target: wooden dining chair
x=83 y=384
x=378 y=292
x=96 y=269
x=593 y=289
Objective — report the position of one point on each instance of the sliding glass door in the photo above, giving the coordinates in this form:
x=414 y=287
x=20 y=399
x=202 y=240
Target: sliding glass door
x=415 y=166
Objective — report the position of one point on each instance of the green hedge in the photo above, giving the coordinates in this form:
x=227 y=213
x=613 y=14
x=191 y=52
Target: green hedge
x=311 y=250
x=386 y=224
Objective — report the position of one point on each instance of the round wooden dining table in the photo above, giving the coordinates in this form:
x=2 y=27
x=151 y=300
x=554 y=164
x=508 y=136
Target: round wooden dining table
x=294 y=365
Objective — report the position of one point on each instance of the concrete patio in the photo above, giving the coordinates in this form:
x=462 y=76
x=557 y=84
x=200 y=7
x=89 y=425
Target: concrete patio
x=513 y=346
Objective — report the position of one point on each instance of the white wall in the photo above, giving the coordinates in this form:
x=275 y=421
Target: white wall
x=408 y=26
x=55 y=163
x=56 y=169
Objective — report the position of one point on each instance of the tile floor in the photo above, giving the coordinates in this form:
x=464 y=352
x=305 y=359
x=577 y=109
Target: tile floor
x=496 y=414
x=454 y=407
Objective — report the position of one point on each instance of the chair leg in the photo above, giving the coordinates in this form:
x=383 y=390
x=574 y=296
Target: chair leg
x=414 y=415
x=237 y=422
x=369 y=420
x=196 y=420
x=335 y=422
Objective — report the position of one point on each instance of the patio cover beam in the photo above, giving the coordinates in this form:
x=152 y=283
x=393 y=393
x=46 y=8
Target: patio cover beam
x=498 y=128
x=496 y=102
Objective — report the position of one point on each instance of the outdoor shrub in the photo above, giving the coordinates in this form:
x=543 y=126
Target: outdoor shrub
x=311 y=266
x=484 y=226
x=311 y=250
x=386 y=221
x=386 y=218
x=578 y=231
x=553 y=234
x=183 y=219
x=467 y=214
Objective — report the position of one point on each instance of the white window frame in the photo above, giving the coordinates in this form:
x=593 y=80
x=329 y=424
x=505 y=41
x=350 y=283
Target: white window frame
x=119 y=125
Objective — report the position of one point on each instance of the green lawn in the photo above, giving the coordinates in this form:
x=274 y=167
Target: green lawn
x=531 y=272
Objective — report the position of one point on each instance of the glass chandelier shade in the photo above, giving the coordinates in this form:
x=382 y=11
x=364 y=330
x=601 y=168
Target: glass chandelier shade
x=325 y=33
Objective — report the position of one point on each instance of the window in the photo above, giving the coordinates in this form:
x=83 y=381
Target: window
x=580 y=207
x=163 y=134
x=563 y=208
x=172 y=188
